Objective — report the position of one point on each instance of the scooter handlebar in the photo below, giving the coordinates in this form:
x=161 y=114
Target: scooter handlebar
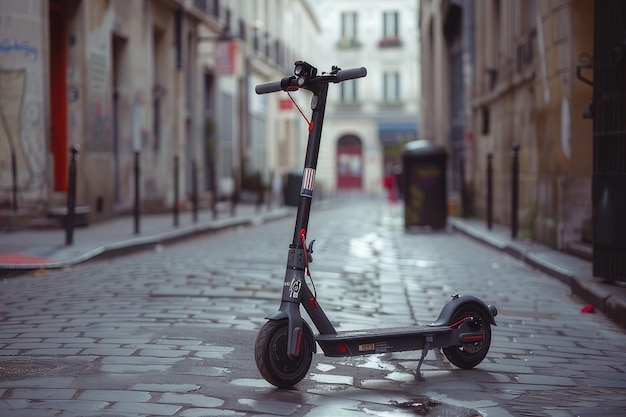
x=270 y=87
x=292 y=83
x=351 y=74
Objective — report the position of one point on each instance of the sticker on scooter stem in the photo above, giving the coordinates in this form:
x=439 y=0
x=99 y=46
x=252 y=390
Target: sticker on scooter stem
x=308 y=183
x=294 y=288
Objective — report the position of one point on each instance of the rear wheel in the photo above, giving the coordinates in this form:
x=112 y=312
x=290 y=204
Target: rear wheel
x=270 y=353
x=468 y=355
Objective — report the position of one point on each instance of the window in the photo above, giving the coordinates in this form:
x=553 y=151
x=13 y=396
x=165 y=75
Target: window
x=391 y=87
x=349 y=30
x=391 y=23
x=348 y=92
x=391 y=30
x=348 y=25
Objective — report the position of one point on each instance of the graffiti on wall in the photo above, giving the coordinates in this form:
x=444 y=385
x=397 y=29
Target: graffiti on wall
x=14 y=46
x=20 y=127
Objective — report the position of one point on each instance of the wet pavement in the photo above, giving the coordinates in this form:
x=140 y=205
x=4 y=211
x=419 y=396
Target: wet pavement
x=170 y=330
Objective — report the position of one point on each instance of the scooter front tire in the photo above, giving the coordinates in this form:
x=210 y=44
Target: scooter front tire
x=272 y=360
x=467 y=356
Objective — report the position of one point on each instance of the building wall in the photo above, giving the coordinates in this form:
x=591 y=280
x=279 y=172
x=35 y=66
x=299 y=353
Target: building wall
x=23 y=88
x=523 y=91
x=142 y=84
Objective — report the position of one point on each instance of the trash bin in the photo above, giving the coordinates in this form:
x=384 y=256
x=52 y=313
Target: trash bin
x=425 y=194
x=292 y=189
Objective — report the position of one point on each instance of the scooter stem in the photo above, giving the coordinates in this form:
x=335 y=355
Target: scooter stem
x=318 y=105
x=296 y=260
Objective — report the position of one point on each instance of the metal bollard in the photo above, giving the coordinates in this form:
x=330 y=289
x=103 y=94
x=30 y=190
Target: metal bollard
x=175 y=208
x=136 y=208
x=213 y=186
x=235 y=196
x=71 y=196
x=194 y=190
x=14 y=176
x=515 y=191
x=489 y=190
x=464 y=196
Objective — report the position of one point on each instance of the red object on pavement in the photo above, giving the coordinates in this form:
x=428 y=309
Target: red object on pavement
x=20 y=259
x=589 y=308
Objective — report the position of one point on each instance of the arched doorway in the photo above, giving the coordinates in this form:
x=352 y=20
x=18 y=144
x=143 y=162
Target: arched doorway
x=349 y=163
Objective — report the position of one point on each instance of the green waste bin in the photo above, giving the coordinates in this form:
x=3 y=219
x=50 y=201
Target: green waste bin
x=425 y=193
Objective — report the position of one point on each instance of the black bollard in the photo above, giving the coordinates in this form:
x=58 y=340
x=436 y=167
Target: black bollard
x=71 y=196
x=194 y=190
x=270 y=192
x=489 y=190
x=175 y=207
x=14 y=176
x=214 y=194
x=464 y=199
x=514 y=190
x=234 y=198
x=136 y=208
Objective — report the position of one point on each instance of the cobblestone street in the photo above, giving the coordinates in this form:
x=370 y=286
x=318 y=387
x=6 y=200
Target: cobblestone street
x=170 y=331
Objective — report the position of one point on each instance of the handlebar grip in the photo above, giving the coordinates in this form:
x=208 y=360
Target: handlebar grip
x=351 y=73
x=270 y=87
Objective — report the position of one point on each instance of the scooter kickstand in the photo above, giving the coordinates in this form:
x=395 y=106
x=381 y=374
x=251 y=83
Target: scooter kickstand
x=425 y=349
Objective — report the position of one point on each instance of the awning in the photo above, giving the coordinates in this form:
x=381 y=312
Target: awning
x=391 y=133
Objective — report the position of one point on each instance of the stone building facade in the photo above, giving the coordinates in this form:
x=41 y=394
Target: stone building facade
x=503 y=73
x=167 y=83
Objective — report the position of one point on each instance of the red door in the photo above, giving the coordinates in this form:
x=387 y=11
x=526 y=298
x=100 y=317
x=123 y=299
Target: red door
x=349 y=163
x=58 y=94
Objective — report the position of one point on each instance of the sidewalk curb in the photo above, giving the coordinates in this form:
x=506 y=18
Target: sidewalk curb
x=142 y=242
x=608 y=298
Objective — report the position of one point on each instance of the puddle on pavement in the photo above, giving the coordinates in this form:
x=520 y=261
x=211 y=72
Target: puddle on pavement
x=251 y=383
x=420 y=406
x=369 y=362
x=25 y=368
x=332 y=379
x=401 y=377
x=324 y=367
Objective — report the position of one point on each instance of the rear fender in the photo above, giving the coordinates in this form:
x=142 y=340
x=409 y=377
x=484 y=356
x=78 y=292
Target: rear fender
x=445 y=317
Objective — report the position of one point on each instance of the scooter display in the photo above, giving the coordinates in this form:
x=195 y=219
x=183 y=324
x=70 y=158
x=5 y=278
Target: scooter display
x=285 y=344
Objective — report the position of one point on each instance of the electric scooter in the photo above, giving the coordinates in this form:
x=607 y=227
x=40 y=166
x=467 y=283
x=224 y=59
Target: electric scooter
x=285 y=344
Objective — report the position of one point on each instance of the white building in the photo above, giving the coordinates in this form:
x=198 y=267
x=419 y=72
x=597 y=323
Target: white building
x=368 y=119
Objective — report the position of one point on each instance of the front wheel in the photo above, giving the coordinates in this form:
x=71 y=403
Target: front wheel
x=468 y=355
x=270 y=354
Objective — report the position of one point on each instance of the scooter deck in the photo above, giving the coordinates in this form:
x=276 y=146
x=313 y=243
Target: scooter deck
x=395 y=339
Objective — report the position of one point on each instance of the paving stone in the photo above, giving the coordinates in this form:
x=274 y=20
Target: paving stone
x=108 y=351
x=43 y=394
x=145 y=409
x=115 y=396
x=69 y=405
x=177 y=388
x=62 y=351
x=163 y=353
x=196 y=400
x=270 y=407
x=134 y=369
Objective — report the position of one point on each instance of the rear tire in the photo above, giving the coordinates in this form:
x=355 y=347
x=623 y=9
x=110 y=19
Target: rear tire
x=467 y=356
x=272 y=360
